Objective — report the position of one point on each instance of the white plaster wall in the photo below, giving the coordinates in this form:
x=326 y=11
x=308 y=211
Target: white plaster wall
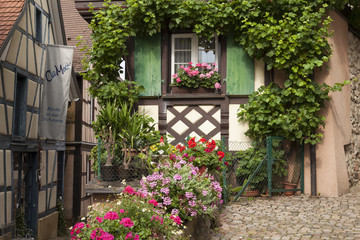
x=237 y=129
x=3 y=121
x=6 y=160
x=9 y=82
x=42 y=202
x=259 y=74
x=33 y=94
x=34 y=125
x=8 y=206
x=151 y=111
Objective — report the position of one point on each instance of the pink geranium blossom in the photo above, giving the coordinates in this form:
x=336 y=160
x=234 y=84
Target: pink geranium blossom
x=126 y=222
x=129 y=190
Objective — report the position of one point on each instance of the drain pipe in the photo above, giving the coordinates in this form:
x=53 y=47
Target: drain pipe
x=313 y=169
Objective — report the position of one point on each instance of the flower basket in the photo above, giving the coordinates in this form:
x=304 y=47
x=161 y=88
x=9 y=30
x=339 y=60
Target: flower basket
x=201 y=75
x=180 y=89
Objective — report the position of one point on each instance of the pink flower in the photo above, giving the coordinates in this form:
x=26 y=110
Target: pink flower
x=121 y=211
x=217 y=85
x=126 y=222
x=174 y=211
x=165 y=190
x=129 y=236
x=208 y=75
x=137 y=237
x=198 y=65
x=77 y=228
x=177 y=177
x=129 y=190
x=178 y=80
x=153 y=202
x=111 y=216
x=99 y=219
x=175 y=75
x=176 y=219
x=202 y=75
x=167 y=201
x=190 y=63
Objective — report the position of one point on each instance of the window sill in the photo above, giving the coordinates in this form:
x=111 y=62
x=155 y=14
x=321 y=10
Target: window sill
x=192 y=95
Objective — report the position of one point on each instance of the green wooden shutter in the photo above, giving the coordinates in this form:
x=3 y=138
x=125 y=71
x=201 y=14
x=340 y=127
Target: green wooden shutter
x=240 y=73
x=147 y=64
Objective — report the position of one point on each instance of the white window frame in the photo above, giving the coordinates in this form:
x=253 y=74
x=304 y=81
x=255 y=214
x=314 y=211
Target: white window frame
x=194 y=49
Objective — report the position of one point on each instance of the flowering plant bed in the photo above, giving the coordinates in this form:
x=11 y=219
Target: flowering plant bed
x=178 y=187
x=131 y=216
x=202 y=74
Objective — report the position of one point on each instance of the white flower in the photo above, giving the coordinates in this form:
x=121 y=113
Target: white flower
x=161 y=152
x=118 y=203
x=123 y=182
x=144 y=209
x=83 y=218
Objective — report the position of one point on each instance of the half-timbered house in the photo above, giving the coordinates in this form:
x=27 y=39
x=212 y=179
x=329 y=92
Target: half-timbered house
x=31 y=171
x=80 y=136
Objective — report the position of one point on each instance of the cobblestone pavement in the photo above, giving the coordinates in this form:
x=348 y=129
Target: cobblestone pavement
x=296 y=217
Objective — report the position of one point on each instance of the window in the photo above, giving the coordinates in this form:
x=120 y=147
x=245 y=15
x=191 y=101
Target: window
x=38 y=25
x=188 y=47
x=20 y=106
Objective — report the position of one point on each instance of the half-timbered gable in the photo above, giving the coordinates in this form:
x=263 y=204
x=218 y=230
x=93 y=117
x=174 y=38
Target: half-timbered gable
x=29 y=179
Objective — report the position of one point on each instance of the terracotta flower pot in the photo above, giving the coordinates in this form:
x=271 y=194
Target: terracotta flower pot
x=202 y=169
x=251 y=193
x=288 y=186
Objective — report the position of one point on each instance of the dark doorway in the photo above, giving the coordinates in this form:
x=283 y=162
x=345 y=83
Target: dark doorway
x=26 y=192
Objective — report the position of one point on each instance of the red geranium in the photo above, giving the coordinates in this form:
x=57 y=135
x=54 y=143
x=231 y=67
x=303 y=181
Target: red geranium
x=180 y=148
x=221 y=155
x=192 y=143
x=211 y=145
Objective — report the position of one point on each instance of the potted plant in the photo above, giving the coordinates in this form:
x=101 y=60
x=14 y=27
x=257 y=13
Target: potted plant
x=201 y=78
x=106 y=127
x=121 y=127
x=130 y=216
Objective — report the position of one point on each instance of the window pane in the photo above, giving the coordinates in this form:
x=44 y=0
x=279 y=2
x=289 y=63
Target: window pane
x=206 y=44
x=182 y=56
x=182 y=43
x=207 y=56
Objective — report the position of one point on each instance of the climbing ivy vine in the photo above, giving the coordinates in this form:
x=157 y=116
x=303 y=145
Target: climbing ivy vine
x=290 y=35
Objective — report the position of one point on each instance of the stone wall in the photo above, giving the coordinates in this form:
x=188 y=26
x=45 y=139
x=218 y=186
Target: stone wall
x=353 y=151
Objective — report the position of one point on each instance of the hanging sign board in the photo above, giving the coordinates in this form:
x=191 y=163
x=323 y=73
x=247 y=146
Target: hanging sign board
x=55 y=94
